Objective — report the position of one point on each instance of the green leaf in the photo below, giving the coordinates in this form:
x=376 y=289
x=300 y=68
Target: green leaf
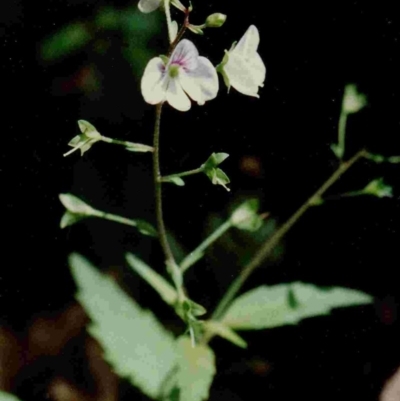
x=267 y=307
x=146 y=228
x=195 y=370
x=7 y=396
x=224 y=331
x=159 y=283
x=175 y=180
x=75 y=205
x=68 y=219
x=214 y=160
x=67 y=40
x=134 y=341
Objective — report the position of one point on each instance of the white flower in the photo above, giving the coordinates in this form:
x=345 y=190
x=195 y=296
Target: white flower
x=185 y=71
x=242 y=66
x=147 y=6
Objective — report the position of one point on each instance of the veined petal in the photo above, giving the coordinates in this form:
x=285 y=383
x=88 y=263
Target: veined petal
x=185 y=55
x=202 y=83
x=176 y=97
x=248 y=44
x=147 y=6
x=154 y=81
x=241 y=76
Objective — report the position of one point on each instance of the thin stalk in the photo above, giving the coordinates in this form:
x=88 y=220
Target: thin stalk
x=158 y=189
x=116 y=218
x=197 y=253
x=270 y=244
x=169 y=19
x=183 y=174
x=342 y=133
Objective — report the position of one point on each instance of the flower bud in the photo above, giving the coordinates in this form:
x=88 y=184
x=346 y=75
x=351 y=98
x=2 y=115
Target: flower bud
x=215 y=20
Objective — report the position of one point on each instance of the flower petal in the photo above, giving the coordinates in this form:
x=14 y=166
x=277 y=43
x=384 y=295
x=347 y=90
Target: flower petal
x=249 y=42
x=185 y=55
x=154 y=81
x=176 y=97
x=147 y=6
x=202 y=83
x=240 y=74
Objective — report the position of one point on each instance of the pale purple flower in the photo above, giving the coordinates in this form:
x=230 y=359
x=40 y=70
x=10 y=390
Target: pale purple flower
x=185 y=73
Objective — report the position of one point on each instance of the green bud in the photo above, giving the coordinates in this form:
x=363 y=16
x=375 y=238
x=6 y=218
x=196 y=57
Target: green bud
x=86 y=139
x=245 y=217
x=215 y=20
x=353 y=101
x=378 y=188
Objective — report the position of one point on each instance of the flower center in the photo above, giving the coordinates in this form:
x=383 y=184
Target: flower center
x=173 y=70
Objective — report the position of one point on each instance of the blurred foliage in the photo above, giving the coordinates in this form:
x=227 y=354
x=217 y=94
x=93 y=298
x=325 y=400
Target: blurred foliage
x=98 y=34
x=7 y=397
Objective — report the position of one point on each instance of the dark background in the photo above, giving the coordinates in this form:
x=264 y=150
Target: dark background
x=311 y=53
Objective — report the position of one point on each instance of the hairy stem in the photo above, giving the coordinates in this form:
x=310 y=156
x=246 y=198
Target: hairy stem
x=158 y=189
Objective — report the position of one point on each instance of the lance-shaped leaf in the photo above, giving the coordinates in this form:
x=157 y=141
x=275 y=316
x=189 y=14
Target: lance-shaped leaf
x=273 y=306
x=76 y=210
x=158 y=282
x=134 y=342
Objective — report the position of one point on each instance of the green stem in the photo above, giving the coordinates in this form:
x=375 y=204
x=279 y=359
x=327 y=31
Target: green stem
x=114 y=217
x=169 y=19
x=342 y=133
x=158 y=189
x=197 y=253
x=128 y=144
x=183 y=174
x=270 y=244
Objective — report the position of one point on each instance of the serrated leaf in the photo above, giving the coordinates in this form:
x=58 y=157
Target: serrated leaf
x=195 y=370
x=267 y=307
x=7 y=396
x=175 y=180
x=134 y=341
x=224 y=331
x=158 y=282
